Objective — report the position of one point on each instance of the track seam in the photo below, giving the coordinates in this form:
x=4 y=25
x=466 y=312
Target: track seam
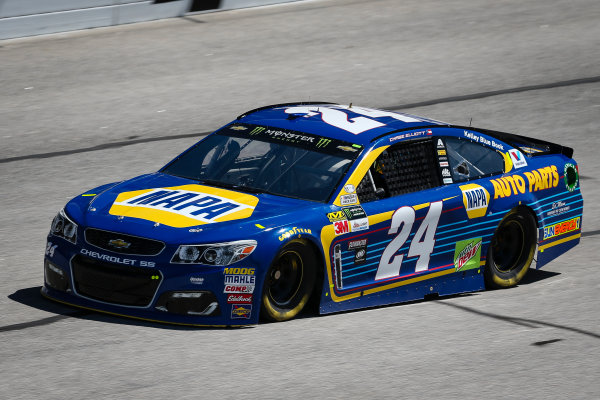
x=453 y=99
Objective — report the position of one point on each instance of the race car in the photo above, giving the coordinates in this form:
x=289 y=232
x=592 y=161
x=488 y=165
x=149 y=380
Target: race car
x=333 y=206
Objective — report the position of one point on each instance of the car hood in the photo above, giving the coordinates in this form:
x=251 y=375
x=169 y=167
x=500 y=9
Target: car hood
x=172 y=209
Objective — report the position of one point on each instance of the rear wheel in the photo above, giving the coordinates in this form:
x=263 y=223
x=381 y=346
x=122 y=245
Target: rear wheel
x=511 y=250
x=288 y=283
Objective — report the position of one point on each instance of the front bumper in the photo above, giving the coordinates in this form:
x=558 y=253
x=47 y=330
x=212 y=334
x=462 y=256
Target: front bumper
x=168 y=293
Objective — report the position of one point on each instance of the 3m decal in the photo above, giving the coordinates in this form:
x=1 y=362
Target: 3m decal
x=475 y=199
x=562 y=227
x=421 y=244
x=241 y=311
x=341 y=227
x=184 y=206
x=517 y=158
x=537 y=179
x=338 y=117
x=480 y=139
x=467 y=254
x=292 y=232
x=239 y=298
x=238 y=288
x=443 y=163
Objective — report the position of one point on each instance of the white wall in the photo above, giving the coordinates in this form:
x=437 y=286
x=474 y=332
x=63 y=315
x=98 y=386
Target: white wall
x=36 y=17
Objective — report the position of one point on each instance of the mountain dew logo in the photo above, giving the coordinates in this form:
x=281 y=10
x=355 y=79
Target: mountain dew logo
x=467 y=254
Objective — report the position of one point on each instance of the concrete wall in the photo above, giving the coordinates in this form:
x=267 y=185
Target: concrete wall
x=36 y=17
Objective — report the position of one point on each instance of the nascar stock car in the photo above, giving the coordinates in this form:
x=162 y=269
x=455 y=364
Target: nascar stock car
x=338 y=207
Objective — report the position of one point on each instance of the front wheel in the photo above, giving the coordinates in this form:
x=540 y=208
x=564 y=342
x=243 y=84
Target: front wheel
x=288 y=283
x=511 y=250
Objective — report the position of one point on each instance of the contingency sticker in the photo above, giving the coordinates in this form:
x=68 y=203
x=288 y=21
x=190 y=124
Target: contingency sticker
x=467 y=254
x=184 y=206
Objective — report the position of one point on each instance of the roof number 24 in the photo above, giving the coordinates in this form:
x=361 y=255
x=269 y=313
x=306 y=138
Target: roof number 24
x=338 y=118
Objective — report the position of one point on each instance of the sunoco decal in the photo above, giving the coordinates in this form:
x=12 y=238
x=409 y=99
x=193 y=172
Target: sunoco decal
x=184 y=206
x=241 y=311
x=467 y=254
x=476 y=200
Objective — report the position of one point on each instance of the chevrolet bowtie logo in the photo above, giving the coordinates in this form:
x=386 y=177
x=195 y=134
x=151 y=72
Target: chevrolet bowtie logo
x=119 y=243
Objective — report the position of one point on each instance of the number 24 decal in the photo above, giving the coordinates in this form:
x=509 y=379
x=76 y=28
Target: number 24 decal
x=421 y=244
x=338 y=118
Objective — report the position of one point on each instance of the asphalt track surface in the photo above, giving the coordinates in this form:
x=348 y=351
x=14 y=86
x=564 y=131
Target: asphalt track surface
x=85 y=108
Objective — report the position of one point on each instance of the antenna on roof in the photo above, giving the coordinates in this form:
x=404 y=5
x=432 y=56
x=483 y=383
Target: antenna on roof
x=350 y=106
x=471 y=120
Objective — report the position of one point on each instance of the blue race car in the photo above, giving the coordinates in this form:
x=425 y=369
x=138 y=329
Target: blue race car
x=293 y=205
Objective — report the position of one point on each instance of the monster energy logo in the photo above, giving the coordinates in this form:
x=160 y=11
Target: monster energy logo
x=257 y=130
x=323 y=142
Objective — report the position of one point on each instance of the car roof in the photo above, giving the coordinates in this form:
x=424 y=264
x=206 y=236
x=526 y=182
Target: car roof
x=310 y=118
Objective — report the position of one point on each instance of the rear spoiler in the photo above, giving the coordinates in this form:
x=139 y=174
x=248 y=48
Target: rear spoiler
x=530 y=146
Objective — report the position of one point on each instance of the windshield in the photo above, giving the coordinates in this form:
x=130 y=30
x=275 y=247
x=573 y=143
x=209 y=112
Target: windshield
x=267 y=160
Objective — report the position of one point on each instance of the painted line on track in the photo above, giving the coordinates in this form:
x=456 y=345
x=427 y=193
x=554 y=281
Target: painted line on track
x=473 y=96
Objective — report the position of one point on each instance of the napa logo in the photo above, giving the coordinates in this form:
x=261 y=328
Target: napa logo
x=476 y=200
x=184 y=206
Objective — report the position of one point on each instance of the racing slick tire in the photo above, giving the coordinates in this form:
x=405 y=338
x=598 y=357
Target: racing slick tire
x=289 y=283
x=511 y=250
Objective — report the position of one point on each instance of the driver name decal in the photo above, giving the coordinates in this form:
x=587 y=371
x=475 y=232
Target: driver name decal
x=184 y=206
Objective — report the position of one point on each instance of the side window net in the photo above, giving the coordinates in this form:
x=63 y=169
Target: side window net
x=404 y=168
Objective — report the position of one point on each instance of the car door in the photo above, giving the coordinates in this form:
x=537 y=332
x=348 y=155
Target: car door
x=409 y=214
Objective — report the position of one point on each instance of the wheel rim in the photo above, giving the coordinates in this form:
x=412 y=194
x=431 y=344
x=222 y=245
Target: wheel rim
x=507 y=246
x=285 y=278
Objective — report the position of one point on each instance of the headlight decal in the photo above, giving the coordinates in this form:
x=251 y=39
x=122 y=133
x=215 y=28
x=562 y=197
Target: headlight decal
x=62 y=226
x=217 y=254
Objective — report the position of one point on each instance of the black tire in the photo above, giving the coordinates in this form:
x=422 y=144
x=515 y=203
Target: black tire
x=511 y=250
x=288 y=283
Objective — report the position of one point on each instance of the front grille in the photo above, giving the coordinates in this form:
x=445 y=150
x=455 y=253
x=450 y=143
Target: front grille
x=122 y=243
x=117 y=284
